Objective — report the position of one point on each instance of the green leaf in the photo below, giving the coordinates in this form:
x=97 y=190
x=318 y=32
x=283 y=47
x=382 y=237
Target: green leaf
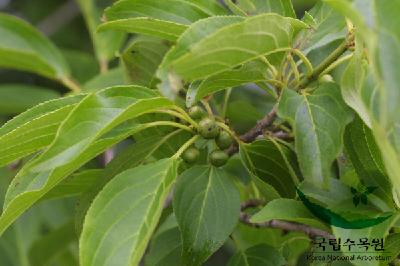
x=356 y=91
x=246 y=236
x=113 y=77
x=206 y=205
x=294 y=246
x=142 y=58
x=272 y=163
x=343 y=214
x=24 y=48
x=178 y=11
x=36 y=128
x=166 y=245
x=281 y=7
x=105 y=43
x=78 y=141
x=243 y=114
x=262 y=254
x=38 y=111
x=367 y=159
x=318 y=121
x=48 y=247
x=123 y=216
x=170 y=84
x=337 y=194
x=329 y=26
x=83 y=65
x=75 y=184
x=21 y=202
x=209 y=7
x=225 y=49
x=166 y=19
x=147 y=26
x=376 y=23
x=252 y=72
x=388 y=51
x=392 y=246
x=15 y=243
x=288 y=210
x=140 y=152
x=17 y=98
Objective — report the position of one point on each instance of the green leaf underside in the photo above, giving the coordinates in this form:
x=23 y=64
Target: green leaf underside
x=36 y=127
x=288 y=210
x=119 y=236
x=142 y=58
x=319 y=121
x=206 y=204
x=225 y=48
x=366 y=158
x=78 y=141
x=272 y=164
x=24 y=48
x=252 y=72
x=11 y=101
x=261 y=254
x=354 y=89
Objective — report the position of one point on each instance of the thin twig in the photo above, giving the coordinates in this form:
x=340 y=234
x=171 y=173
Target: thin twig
x=252 y=203
x=282 y=135
x=257 y=130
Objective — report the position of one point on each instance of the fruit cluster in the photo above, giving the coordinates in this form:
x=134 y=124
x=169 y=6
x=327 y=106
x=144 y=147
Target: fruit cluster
x=208 y=129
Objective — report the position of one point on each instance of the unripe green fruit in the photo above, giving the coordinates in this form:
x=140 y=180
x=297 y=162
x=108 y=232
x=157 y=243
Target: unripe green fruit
x=224 y=140
x=196 y=112
x=218 y=158
x=208 y=129
x=191 y=155
x=325 y=78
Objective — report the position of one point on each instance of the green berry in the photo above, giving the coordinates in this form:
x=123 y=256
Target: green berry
x=218 y=158
x=196 y=112
x=208 y=129
x=224 y=140
x=191 y=155
x=325 y=78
